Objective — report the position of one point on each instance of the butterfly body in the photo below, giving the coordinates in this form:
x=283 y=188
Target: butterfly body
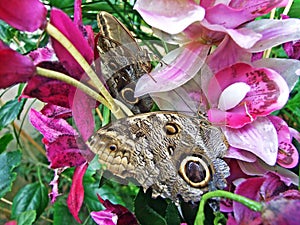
x=178 y=156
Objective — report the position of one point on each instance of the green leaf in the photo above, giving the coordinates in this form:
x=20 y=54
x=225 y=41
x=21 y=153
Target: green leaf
x=31 y=197
x=10 y=111
x=26 y=218
x=172 y=215
x=4 y=141
x=8 y=161
x=61 y=213
x=145 y=213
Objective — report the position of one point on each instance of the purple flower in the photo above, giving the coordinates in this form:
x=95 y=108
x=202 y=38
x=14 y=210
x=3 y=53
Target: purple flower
x=269 y=190
x=25 y=15
x=113 y=215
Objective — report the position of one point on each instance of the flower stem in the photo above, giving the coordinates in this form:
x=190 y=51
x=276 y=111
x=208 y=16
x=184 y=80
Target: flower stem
x=253 y=205
x=110 y=103
x=69 y=80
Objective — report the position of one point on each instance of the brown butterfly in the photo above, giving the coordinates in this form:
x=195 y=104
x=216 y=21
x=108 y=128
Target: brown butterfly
x=178 y=156
x=123 y=62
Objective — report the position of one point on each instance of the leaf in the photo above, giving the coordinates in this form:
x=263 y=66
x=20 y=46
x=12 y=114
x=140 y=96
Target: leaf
x=143 y=211
x=31 y=197
x=4 y=141
x=26 y=218
x=8 y=161
x=172 y=215
x=10 y=111
x=62 y=214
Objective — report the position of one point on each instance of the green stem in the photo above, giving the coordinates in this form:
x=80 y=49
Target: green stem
x=69 y=80
x=253 y=205
x=55 y=33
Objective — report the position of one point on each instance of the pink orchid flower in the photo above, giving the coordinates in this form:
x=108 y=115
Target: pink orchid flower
x=214 y=25
x=113 y=215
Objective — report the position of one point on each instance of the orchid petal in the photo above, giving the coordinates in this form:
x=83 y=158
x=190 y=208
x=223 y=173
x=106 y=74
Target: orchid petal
x=268 y=92
x=239 y=154
x=292 y=49
x=227 y=54
x=274 y=32
x=49 y=90
x=26 y=15
x=76 y=195
x=288 y=155
x=104 y=217
x=56 y=112
x=50 y=128
x=241 y=212
x=62 y=22
x=259 y=137
x=232 y=95
x=287 y=68
x=170 y=16
x=185 y=98
x=54 y=183
x=14 y=68
x=65 y=151
x=82 y=106
x=42 y=54
x=182 y=65
x=259 y=168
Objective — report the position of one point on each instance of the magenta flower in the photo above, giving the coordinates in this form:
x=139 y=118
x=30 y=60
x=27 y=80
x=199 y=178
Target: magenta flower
x=14 y=68
x=113 y=215
x=240 y=93
x=25 y=15
x=268 y=189
x=219 y=26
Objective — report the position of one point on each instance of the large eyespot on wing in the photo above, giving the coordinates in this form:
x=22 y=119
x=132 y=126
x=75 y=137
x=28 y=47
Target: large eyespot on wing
x=172 y=128
x=196 y=171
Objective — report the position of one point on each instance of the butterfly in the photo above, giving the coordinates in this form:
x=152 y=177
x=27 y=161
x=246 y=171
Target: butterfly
x=178 y=156
x=123 y=62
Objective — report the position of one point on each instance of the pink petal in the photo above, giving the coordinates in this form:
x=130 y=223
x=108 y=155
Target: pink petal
x=104 y=217
x=65 y=151
x=76 y=195
x=49 y=90
x=170 y=16
x=50 y=128
x=274 y=32
x=281 y=211
x=42 y=54
x=185 y=98
x=82 y=107
x=227 y=54
x=54 y=183
x=239 y=154
x=259 y=168
x=288 y=155
x=26 y=15
x=14 y=68
x=287 y=68
x=259 y=137
x=55 y=111
x=12 y=222
x=241 y=212
x=62 y=22
x=182 y=65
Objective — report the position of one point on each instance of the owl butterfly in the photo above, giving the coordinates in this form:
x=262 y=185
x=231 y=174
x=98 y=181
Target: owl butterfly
x=123 y=62
x=177 y=156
